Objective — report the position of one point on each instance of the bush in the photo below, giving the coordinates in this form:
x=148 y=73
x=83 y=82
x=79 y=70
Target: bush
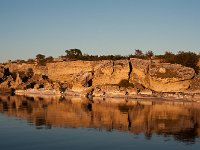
x=188 y=59
x=23 y=76
x=31 y=61
x=30 y=72
x=49 y=59
x=41 y=61
x=125 y=83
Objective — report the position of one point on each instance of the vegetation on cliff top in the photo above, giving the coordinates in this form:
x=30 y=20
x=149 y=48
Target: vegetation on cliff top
x=188 y=59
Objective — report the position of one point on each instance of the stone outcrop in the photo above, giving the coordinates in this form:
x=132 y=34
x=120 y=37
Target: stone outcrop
x=195 y=85
x=67 y=71
x=109 y=91
x=82 y=81
x=161 y=77
x=23 y=67
x=83 y=74
x=111 y=72
x=104 y=77
x=103 y=72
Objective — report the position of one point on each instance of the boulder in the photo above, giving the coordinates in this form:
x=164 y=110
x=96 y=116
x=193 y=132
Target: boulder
x=1 y=75
x=146 y=92
x=109 y=91
x=18 y=80
x=161 y=77
x=6 y=84
x=86 y=92
x=98 y=92
x=132 y=91
x=82 y=81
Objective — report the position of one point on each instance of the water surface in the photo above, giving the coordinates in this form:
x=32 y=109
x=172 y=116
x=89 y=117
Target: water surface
x=74 y=123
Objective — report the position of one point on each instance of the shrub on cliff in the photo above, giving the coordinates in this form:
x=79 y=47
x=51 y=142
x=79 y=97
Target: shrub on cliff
x=29 y=72
x=41 y=61
x=30 y=61
x=125 y=83
x=74 y=53
x=149 y=54
x=23 y=76
x=188 y=59
x=139 y=54
x=49 y=59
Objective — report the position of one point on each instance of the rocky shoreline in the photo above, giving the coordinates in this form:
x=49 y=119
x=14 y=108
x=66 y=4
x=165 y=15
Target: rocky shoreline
x=164 y=96
x=128 y=79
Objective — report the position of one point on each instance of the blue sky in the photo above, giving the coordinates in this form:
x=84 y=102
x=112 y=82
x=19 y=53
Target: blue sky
x=49 y=27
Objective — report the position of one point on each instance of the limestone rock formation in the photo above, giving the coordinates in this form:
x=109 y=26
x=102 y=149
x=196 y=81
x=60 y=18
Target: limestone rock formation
x=103 y=76
x=66 y=71
x=6 y=84
x=1 y=75
x=132 y=91
x=18 y=80
x=109 y=91
x=195 y=85
x=82 y=81
x=111 y=72
x=24 y=67
x=161 y=77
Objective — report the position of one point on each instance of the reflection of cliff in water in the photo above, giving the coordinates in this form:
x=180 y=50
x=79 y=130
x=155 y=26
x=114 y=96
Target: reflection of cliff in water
x=181 y=121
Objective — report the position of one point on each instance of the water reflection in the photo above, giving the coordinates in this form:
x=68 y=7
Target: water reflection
x=180 y=120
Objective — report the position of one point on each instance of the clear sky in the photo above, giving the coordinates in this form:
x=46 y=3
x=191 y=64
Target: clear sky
x=49 y=27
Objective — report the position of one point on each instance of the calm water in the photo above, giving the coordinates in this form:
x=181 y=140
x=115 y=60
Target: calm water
x=72 y=123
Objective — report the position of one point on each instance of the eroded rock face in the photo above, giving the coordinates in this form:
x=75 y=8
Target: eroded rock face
x=67 y=71
x=195 y=85
x=7 y=83
x=15 y=67
x=82 y=81
x=83 y=74
x=161 y=77
x=80 y=75
x=111 y=72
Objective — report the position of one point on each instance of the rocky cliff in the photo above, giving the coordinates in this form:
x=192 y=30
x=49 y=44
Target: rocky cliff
x=138 y=75
x=161 y=77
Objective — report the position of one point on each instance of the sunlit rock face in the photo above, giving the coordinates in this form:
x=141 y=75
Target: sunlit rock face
x=67 y=71
x=138 y=117
x=79 y=75
x=195 y=85
x=105 y=72
x=23 y=67
x=83 y=74
x=111 y=72
x=161 y=77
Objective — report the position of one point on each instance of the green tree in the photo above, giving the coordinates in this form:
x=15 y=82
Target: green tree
x=169 y=57
x=74 y=53
x=138 y=52
x=31 y=61
x=149 y=54
x=29 y=72
x=41 y=59
x=49 y=59
x=40 y=56
x=188 y=59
